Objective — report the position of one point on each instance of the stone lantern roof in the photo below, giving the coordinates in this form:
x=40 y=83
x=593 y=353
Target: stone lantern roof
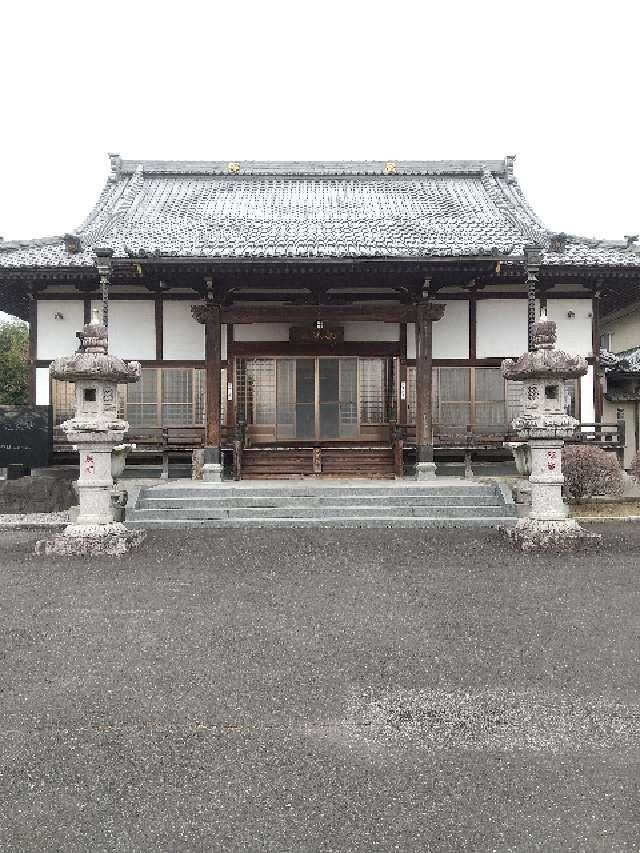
x=545 y=362
x=91 y=360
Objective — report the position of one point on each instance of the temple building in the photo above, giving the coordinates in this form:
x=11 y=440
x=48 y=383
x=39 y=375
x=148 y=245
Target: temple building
x=307 y=315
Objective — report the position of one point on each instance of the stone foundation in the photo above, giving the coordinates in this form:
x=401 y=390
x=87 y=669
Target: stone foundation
x=79 y=540
x=425 y=470
x=531 y=534
x=197 y=464
x=36 y=494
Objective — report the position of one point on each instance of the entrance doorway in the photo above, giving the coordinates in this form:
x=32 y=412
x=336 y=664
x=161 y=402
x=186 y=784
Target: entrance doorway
x=315 y=398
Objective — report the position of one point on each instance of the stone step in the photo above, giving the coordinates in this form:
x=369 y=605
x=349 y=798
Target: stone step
x=269 y=501
x=329 y=522
x=214 y=490
x=324 y=522
x=301 y=512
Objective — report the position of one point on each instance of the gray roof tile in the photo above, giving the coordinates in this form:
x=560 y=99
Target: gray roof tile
x=310 y=210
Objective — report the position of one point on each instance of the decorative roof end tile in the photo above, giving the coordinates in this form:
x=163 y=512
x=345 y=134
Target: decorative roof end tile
x=72 y=243
x=508 y=166
x=558 y=242
x=116 y=166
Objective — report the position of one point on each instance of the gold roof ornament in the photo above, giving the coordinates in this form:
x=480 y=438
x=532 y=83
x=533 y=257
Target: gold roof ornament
x=390 y=169
x=234 y=168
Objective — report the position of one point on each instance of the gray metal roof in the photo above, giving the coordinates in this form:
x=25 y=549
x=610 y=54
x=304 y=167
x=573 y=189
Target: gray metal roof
x=303 y=210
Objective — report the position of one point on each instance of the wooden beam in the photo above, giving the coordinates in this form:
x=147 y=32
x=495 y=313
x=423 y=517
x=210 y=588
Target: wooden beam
x=327 y=313
x=364 y=349
x=86 y=307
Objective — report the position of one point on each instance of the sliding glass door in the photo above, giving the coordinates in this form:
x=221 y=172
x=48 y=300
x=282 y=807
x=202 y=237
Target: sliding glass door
x=316 y=398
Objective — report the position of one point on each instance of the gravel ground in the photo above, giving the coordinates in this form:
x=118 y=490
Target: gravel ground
x=317 y=690
x=35 y=520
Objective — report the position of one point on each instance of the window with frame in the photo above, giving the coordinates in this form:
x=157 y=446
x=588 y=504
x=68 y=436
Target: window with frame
x=463 y=396
x=376 y=378
x=164 y=396
x=606 y=341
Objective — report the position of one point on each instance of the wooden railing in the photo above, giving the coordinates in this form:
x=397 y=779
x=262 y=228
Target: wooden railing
x=468 y=439
x=608 y=436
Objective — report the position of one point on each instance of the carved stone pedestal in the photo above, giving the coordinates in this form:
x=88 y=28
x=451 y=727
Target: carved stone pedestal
x=212 y=467
x=425 y=470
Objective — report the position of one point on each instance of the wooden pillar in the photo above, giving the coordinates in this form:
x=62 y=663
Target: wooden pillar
x=231 y=379
x=473 y=324
x=209 y=314
x=33 y=349
x=402 y=376
x=159 y=324
x=595 y=350
x=426 y=313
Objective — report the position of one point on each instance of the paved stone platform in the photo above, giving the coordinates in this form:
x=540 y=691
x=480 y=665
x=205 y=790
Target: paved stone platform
x=320 y=690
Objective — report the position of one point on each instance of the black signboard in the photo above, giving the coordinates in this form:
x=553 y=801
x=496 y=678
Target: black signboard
x=25 y=436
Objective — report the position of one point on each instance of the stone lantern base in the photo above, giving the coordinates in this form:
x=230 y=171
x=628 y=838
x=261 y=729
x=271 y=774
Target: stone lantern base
x=532 y=534
x=87 y=540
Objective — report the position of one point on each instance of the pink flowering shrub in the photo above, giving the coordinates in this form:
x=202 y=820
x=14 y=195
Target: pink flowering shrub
x=590 y=471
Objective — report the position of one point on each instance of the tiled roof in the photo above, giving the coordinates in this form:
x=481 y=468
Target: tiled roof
x=262 y=210
x=626 y=362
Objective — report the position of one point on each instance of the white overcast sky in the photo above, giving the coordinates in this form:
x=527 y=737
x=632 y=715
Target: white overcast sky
x=555 y=83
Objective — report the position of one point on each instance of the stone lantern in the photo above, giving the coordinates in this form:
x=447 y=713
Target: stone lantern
x=544 y=424
x=95 y=429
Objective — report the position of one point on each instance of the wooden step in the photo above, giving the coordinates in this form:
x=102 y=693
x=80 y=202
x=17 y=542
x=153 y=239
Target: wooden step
x=284 y=463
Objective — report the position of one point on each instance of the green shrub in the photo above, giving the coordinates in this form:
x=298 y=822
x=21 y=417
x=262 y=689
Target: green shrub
x=14 y=363
x=590 y=471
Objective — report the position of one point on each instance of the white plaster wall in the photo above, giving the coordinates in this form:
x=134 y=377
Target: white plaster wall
x=42 y=386
x=182 y=336
x=587 y=413
x=132 y=328
x=354 y=330
x=261 y=331
x=501 y=327
x=625 y=331
x=450 y=335
x=58 y=337
x=573 y=334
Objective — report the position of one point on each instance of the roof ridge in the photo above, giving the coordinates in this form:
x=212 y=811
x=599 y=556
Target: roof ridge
x=10 y=245
x=338 y=168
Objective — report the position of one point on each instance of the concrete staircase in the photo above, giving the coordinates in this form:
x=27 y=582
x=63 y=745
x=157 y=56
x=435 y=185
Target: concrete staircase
x=443 y=503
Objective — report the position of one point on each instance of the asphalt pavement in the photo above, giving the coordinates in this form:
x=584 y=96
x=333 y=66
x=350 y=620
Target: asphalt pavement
x=321 y=690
